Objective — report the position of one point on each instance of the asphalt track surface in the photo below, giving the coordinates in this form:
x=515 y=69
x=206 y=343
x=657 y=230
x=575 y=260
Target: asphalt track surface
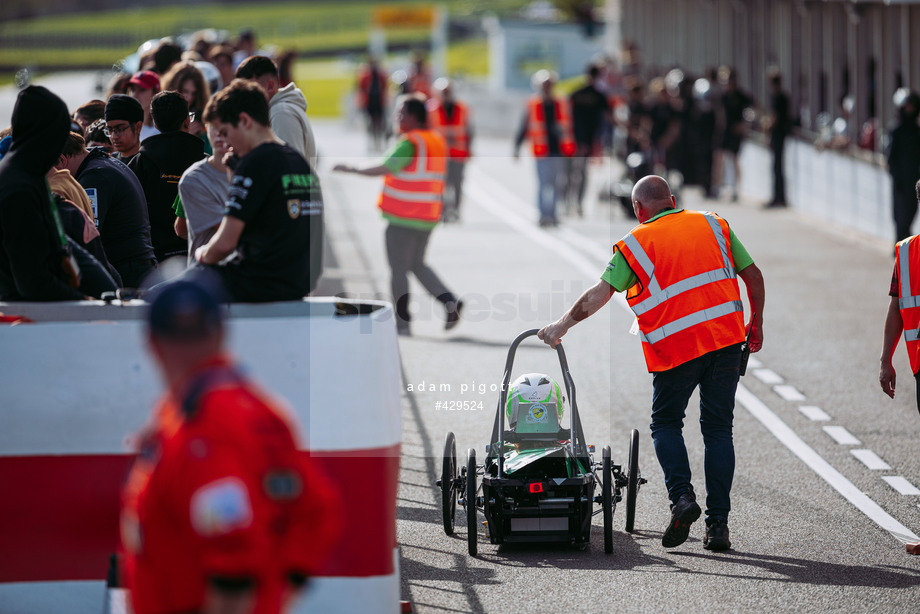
x=814 y=528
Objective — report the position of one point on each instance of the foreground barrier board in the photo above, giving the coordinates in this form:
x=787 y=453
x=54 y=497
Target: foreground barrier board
x=77 y=382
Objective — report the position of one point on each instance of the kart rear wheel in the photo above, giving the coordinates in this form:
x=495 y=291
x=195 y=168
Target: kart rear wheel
x=448 y=491
x=472 y=532
x=607 y=501
x=632 y=480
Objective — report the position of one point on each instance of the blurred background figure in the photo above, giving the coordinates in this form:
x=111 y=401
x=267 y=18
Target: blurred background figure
x=144 y=86
x=418 y=80
x=735 y=104
x=779 y=125
x=221 y=56
x=451 y=119
x=590 y=111
x=185 y=78
x=371 y=98
x=87 y=113
x=547 y=124
x=904 y=162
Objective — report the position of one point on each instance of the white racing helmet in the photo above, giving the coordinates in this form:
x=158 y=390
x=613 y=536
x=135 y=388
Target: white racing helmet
x=530 y=390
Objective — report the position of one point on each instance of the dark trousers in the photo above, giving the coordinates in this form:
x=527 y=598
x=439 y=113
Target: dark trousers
x=716 y=374
x=134 y=271
x=905 y=209
x=777 y=146
x=406 y=254
x=453 y=189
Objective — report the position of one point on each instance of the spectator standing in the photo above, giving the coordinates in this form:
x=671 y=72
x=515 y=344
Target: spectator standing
x=590 y=108
x=245 y=47
x=222 y=57
x=119 y=209
x=371 y=95
x=165 y=56
x=185 y=78
x=274 y=214
x=451 y=119
x=779 y=124
x=904 y=164
x=699 y=252
x=144 y=86
x=287 y=106
x=735 y=103
x=221 y=511
x=88 y=113
x=418 y=80
x=413 y=172
x=203 y=190
x=124 y=121
x=547 y=124
x=36 y=263
x=159 y=165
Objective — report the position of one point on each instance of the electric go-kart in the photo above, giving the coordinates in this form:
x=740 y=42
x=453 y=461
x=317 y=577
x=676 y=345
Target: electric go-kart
x=539 y=478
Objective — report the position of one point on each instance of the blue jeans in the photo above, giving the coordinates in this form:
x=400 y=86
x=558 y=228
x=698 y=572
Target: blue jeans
x=716 y=374
x=549 y=170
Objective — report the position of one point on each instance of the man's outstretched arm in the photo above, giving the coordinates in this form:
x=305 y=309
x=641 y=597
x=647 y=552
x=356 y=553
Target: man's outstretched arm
x=587 y=304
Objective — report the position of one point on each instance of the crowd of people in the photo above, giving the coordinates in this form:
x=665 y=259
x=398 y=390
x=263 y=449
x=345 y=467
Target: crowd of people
x=159 y=170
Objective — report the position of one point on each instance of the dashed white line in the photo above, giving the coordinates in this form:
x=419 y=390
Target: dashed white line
x=791 y=440
x=789 y=393
x=901 y=485
x=768 y=376
x=754 y=363
x=841 y=435
x=814 y=413
x=871 y=460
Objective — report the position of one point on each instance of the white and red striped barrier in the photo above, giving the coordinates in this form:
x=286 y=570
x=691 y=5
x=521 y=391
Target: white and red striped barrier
x=77 y=382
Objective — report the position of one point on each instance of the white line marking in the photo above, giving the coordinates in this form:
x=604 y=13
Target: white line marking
x=814 y=413
x=841 y=435
x=754 y=363
x=871 y=460
x=767 y=376
x=901 y=485
x=788 y=438
x=789 y=393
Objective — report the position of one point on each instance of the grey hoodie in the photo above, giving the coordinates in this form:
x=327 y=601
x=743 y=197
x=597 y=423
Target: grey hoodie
x=288 y=114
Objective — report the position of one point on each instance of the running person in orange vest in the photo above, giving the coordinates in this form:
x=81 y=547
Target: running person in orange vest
x=679 y=270
x=548 y=124
x=221 y=511
x=903 y=316
x=451 y=119
x=413 y=172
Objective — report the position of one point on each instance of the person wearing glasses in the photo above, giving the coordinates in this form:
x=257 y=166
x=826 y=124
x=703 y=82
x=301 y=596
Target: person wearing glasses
x=124 y=117
x=159 y=165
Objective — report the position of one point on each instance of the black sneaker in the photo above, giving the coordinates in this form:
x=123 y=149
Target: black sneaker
x=453 y=315
x=716 y=537
x=683 y=514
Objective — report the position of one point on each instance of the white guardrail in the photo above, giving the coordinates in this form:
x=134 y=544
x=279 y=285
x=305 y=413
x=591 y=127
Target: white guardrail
x=77 y=382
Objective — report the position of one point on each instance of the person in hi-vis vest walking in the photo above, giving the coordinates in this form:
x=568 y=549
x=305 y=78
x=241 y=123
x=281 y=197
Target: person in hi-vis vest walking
x=679 y=269
x=413 y=184
x=547 y=124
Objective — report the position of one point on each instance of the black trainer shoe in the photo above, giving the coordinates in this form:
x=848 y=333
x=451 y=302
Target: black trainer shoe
x=683 y=514
x=716 y=537
x=453 y=315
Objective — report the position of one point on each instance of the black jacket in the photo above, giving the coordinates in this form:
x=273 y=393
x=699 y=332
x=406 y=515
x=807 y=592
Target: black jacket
x=904 y=155
x=30 y=245
x=159 y=165
x=121 y=209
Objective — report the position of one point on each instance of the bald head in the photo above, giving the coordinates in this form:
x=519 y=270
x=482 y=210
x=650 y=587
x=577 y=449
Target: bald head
x=650 y=196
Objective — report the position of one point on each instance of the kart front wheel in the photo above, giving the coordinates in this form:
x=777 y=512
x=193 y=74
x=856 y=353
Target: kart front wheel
x=448 y=490
x=632 y=480
x=607 y=500
x=471 y=521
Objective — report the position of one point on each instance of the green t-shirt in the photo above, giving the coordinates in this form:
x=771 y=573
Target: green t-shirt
x=397 y=158
x=619 y=275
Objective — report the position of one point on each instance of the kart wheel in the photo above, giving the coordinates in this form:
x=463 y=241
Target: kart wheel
x=607 y=501
x=448 y=491
x=632 y=480
x=472 y=528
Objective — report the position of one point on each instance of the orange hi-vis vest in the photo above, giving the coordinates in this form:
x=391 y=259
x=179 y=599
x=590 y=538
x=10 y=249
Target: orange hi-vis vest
x=536 y=127
x=687 y=300
x=454 y=130
x=907 y=254
x=414 y=193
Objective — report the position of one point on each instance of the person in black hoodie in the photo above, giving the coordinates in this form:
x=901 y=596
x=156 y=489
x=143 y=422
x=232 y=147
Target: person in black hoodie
x=36 y=259
x=904 y=164
x=159 y=166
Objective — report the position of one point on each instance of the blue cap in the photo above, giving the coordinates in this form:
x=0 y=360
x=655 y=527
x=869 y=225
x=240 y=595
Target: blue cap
x=185 y=310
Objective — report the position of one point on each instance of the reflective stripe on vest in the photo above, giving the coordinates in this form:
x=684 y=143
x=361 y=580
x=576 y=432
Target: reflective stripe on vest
x=414 y=192
x=682 y=298
x=536 y=127
x=454 y=130
x=909 y=298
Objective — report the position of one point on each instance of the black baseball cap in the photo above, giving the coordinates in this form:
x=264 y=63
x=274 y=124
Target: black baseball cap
x=185 y=310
